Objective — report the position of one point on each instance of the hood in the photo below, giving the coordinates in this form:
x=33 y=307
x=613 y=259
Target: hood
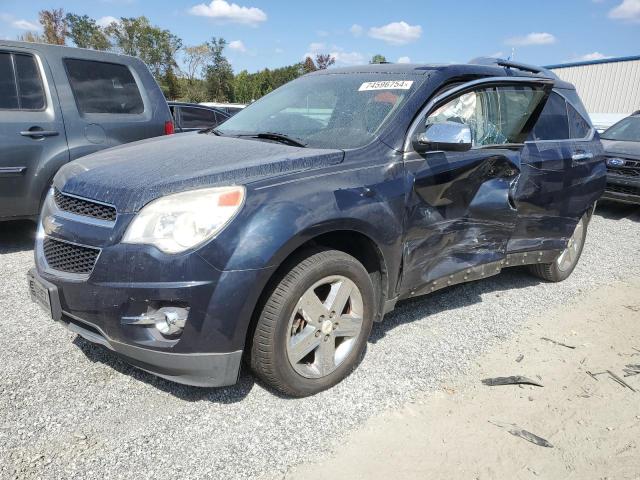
x=130 y=176
x=628 y=149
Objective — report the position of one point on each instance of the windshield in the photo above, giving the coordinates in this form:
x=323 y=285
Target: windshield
x=327 y=111
x=627 y=130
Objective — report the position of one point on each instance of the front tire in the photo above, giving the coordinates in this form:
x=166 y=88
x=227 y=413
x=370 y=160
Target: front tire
x=313 y=327
x=566 y=262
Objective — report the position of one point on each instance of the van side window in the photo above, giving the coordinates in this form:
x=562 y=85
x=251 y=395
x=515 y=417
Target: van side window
x=578 y=126
x=101 y=87
x=20 y=87
x=553 y=123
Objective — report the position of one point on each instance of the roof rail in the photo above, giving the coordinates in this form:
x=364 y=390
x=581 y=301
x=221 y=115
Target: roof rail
x=536 y=70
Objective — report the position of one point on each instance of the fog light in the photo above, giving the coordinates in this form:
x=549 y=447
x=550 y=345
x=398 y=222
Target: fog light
x=168 y=320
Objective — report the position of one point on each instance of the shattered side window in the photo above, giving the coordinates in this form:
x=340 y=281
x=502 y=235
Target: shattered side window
x=495 y=115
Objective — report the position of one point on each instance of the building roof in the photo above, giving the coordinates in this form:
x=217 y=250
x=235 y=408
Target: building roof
x=594 y=62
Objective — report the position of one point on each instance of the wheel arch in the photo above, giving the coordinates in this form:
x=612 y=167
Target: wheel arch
x=348 y=239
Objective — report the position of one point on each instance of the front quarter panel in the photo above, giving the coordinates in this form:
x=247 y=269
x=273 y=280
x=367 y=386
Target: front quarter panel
x=365 y=193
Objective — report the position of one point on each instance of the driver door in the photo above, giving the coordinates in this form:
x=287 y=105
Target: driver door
x=460 y=211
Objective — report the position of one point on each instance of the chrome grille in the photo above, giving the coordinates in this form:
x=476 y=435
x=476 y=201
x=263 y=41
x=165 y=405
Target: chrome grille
x=70 y=258
x=84 y=207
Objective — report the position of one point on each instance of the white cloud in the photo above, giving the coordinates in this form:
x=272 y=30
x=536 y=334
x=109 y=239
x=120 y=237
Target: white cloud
x=25 y=25
x=591 y=56
x=106 y=21
x=322 y=33
x=342 y=57
x=404 y=60
x=348 y=58
x=534 y=38
x=229 y=12
x=499 y=54
x=237 y=45
x=628 y=10
x=20 y=24
x=396 y=33
x=279 y=50
x=356 y=30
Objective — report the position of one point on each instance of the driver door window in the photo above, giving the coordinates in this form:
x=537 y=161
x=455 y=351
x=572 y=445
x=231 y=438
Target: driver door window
x=495 y=115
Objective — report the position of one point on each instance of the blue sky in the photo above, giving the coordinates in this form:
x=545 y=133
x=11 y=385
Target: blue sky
x=276 y=33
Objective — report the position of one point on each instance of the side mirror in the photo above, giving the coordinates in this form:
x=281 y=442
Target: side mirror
x=448 y=136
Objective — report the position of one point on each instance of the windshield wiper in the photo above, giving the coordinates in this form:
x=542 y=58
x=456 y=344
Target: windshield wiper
x=278 y=137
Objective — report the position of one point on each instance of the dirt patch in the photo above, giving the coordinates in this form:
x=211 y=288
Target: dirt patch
x=590 y=419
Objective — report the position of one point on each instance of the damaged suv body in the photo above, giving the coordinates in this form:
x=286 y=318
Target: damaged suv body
x=283 y=234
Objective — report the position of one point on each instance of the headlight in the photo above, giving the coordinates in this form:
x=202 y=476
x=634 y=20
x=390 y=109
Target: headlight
x=181 y=221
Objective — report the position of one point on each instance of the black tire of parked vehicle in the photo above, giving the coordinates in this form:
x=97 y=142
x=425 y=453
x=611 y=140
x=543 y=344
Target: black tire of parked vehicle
x=268 y=355
x=552 y=272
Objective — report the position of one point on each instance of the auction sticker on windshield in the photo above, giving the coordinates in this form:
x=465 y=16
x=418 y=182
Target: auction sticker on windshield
x=386 y=85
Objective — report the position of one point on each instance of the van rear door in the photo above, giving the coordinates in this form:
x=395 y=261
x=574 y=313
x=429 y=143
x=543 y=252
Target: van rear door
x=33 y=143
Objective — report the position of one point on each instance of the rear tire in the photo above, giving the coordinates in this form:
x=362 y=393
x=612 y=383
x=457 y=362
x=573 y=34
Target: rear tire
x=566 y=262
x=314 y=326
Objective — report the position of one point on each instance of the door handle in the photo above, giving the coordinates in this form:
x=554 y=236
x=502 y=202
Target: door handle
x=581 y=156
x=36 y=134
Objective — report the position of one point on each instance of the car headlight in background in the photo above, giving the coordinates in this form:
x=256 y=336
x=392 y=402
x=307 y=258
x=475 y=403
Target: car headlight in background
x=181 y=221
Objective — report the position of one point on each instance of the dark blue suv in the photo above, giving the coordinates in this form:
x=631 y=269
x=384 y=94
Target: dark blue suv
x=283 y=234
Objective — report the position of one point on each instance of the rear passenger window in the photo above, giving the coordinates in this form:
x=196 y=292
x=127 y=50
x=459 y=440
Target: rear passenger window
x=29 y=83
x=196 y=118
x=553 y=123
x=8 y=92
x=578 y=126
x=20 y=87
x=101 y=87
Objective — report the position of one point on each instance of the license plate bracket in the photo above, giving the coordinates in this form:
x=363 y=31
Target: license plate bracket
x=44 y=294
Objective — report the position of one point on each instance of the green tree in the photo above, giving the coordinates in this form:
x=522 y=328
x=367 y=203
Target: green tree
x=154 y=46
x=54 y=26
x=218 y=73
x=377 y=58
x=170 y=85
x=324 y=61
x=308 y=65
x=85 y=33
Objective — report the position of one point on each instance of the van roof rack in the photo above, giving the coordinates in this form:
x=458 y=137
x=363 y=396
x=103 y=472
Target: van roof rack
x=536 y=70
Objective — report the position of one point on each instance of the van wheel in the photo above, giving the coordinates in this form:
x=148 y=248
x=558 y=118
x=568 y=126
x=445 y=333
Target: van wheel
x=562 y=267
x=313 y=327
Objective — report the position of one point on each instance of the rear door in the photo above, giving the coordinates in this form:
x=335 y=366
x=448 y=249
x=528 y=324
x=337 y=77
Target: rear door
x=461 y=212
x=108 y=101
x=562 y=174
x=32 y=135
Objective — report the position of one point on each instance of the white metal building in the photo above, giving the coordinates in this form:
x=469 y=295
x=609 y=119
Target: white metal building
x=609 y=88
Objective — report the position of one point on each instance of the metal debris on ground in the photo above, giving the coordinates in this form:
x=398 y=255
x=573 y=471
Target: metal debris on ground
x=557 y=343
x=631 y=370
x=515 y=430
x=519 y=358
x=613 y=377
x=514 y=380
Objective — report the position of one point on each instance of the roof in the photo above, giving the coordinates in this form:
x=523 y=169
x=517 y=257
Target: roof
x=65 y=50
x=462 y=70
x=594 y=62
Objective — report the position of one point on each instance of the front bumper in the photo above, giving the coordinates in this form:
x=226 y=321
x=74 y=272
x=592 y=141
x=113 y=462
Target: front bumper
x=198 y=369
x=128 y=281
x=622 y=188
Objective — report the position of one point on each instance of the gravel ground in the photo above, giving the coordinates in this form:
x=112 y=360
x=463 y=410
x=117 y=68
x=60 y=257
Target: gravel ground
x=69 y=409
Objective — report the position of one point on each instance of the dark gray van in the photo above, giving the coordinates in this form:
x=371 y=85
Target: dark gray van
x=58 y=104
